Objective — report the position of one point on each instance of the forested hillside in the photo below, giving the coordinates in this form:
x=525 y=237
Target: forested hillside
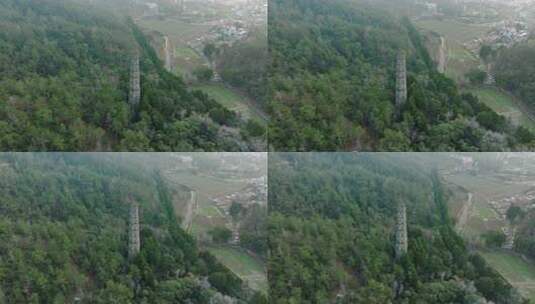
x=515 y=72
x=332 y=234
x=244 y=66
x=64 y=236
x=332 y=86
x=525 y=240
x=64 y=84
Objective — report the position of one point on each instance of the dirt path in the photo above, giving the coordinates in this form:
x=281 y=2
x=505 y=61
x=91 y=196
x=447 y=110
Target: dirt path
x=510 y=233
x=465 y=212
x=188 y=217
x=523 y=284
x=442 y=55
x=167 y=54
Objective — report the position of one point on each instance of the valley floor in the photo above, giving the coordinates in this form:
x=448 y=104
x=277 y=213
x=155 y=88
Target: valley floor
x=181 y=58
x=475 y=214
x=201 y=214
x=455 y=60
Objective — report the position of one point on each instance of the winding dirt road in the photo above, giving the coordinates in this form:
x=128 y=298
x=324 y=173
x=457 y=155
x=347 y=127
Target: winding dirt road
x=465 y=212
x=167 y=54
x=442 y=55
x=188 y=217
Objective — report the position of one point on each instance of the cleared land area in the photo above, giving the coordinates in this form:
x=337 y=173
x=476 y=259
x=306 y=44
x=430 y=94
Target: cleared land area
x=206 y=215
x=178 y=30
x=479 y=216
x=486 y=186
x=459 y=59
x=454 y=30
x=210 y=185
x=183 y=58
x=460 y=62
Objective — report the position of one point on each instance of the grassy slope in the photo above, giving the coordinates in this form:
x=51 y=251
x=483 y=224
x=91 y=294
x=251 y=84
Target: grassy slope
x=518 y=272
x=487 y=186
x=210 y=185
x=454 y=30
x=174 y=28
x=231 y=99
x=482 y=218
x=503 y=104
x=207 y=215
x=185 y=59
x=244 y=265
x=460 y=60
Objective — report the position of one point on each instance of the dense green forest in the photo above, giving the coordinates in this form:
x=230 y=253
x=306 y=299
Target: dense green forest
x=253 y=229
x=332 y=86
x=515 y=72
x=64 y=85
x=64 y=236
x=331 y=233
x=244 y=64
x=525 y=239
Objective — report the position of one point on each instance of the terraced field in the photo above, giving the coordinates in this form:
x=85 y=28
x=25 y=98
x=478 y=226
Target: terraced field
x=459 y=59
x=454 y=30
x=486 y=185
x=178 y=30
x=460 y=62
x=184 y=60
x=206 y=215
x=479 y=216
